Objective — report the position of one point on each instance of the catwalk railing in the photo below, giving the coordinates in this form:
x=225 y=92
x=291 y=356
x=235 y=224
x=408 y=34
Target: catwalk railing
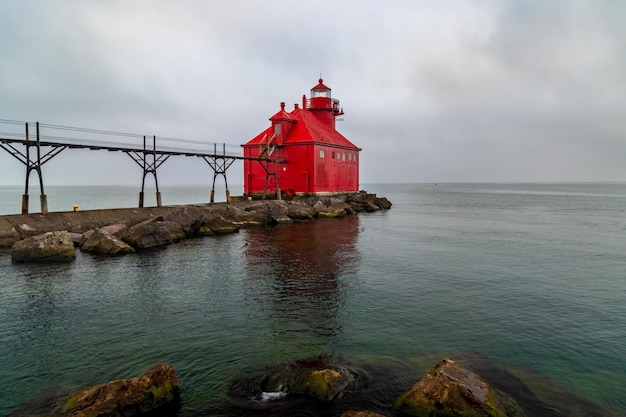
x=35 y=148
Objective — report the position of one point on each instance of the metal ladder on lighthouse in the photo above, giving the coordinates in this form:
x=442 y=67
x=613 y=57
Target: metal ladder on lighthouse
x=266 y=149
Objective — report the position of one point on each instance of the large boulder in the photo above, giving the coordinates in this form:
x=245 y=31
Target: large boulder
x=218 y=225
x=156 y=389
x=370 y=207
x=54 y=246
x=267 y=212
x=301 y=211
x=452 y=390
x=101 y=241
x=279 y=212
x=256 y=214
x=152 y=232
x=157 y=392
x=383 y=203
x=188 y=219
x=333 y=208
x=8 y=237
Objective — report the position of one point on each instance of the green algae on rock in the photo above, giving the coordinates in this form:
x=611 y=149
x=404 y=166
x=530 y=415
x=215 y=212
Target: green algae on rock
x=450 y=390
x=156 y=389
x=156 y=392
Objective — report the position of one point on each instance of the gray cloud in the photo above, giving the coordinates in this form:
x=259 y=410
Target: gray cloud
x=445 y=91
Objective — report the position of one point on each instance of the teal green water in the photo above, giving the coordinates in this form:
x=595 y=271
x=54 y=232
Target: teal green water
x=532 y=276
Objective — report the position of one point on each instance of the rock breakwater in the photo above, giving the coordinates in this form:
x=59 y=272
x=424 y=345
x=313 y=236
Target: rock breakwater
x=120 y=231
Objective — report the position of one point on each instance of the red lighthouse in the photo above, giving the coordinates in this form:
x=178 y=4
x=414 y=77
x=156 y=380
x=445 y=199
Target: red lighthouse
x=310 y=156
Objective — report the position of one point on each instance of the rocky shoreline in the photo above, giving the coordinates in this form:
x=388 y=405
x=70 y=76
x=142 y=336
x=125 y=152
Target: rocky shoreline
x=449 y=389
x=320 y=386
x=50 y=237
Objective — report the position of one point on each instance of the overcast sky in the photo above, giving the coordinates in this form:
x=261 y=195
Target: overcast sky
x=445 y=91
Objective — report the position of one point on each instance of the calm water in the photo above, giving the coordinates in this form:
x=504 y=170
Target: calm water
x=86 y=197
x=532 y=276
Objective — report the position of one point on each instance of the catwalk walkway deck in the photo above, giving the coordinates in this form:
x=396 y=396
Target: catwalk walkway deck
x=50 y=140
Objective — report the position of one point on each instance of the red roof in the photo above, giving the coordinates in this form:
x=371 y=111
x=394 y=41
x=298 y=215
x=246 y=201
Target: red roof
x=308 y=128
x=282 y=115
x=320 y=86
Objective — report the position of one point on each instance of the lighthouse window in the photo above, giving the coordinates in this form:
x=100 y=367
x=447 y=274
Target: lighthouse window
x=320 y=93
x=321 y=153
x=332 y=155
x=343 y=156
x=277 y=129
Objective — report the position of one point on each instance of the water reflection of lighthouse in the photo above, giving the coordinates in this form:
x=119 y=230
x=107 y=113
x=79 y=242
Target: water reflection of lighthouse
x=298 y=277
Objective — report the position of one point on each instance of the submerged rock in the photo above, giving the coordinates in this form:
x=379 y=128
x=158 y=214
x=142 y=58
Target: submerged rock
x=323 y=379
x=451 y=390
x=48 y=247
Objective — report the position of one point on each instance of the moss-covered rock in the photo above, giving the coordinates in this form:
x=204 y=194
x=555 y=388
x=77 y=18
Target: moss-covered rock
x=322 y=378
x=219 y=225
x=205 y=231
x=155 y=392
x=325 y=384
x=450 y=390
x=332 y=214
x=157 y=389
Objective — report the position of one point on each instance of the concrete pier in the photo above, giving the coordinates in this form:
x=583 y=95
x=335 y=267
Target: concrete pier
x=19 y=226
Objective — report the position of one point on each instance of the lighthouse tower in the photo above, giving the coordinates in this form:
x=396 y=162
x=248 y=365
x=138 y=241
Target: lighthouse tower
x=301 y=152
x=322 y=105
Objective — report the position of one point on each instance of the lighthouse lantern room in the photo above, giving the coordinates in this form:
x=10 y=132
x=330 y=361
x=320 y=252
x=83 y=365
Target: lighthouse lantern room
x=301 y=152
